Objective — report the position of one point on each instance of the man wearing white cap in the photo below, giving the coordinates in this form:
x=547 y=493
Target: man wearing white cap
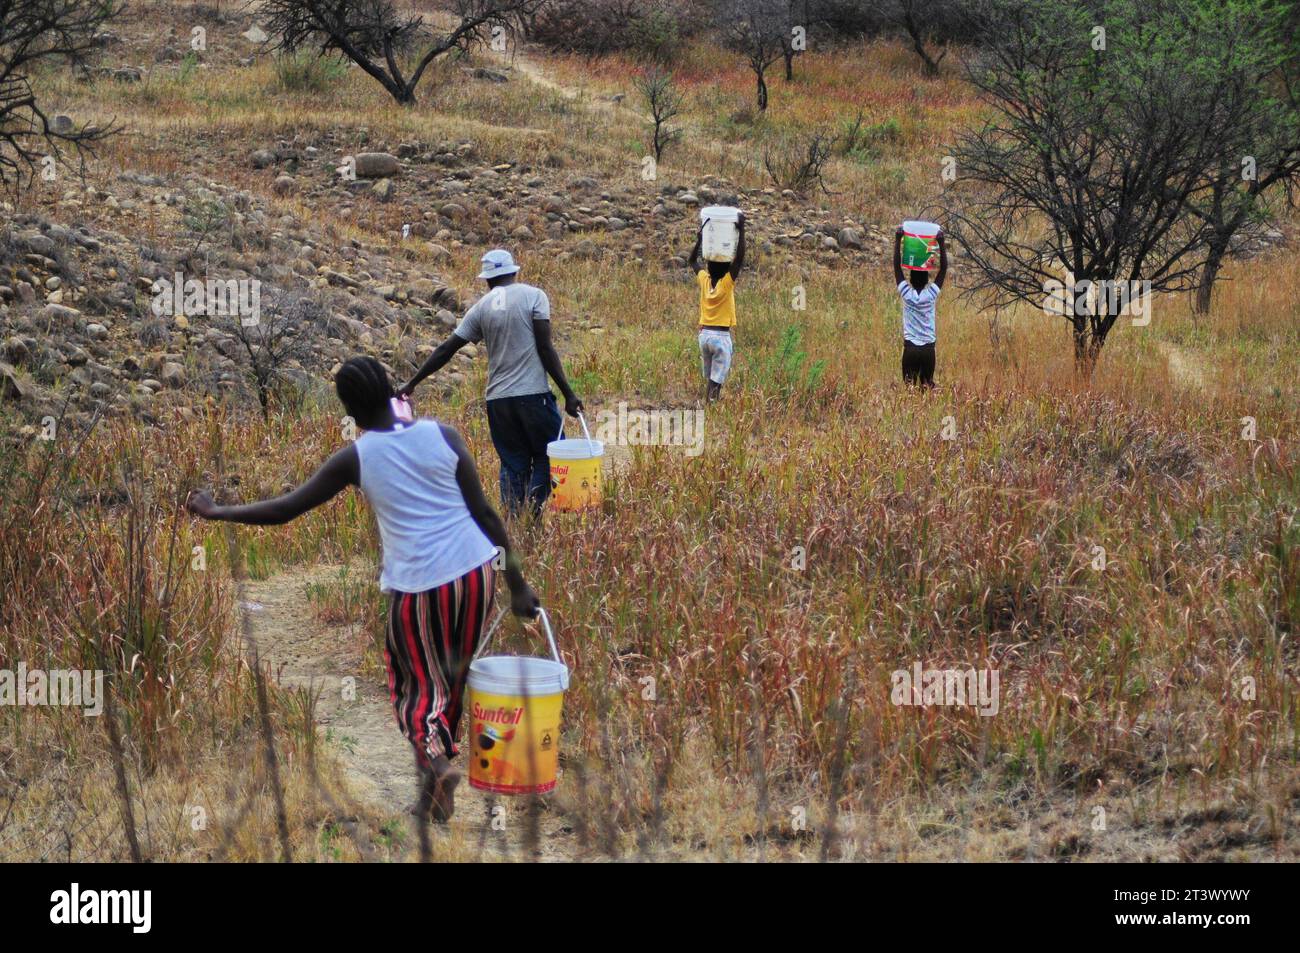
x=513 y=320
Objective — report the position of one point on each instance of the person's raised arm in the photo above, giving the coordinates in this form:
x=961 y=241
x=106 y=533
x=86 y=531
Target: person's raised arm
x=898 y=256
x=523 y=601
x=943 y=261
x=440 y=356
x=694 y=261
x=340 y=471
x=554 y=366
x=739 y=261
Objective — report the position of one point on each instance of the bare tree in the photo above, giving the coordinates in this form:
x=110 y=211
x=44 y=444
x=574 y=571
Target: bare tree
x=393 y=47
x=33 y=34
x=794 y=40
x=923 y=23
x=797 y=163
x=664 y=100
x=757 y=30
x=1093 y=155
x=274 y=338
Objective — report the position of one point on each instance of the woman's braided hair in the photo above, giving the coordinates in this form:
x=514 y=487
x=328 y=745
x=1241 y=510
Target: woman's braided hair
x=363 y=386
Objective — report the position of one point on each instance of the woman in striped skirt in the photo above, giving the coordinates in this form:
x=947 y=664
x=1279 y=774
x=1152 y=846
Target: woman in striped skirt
x=440 y=539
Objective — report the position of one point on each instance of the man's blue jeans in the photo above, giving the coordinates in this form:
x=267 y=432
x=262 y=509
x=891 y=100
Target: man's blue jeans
x=521 y=428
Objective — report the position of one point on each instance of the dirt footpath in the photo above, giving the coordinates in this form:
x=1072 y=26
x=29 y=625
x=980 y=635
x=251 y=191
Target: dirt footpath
x=362 y=733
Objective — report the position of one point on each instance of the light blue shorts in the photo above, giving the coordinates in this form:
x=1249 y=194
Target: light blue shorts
x=715 y=354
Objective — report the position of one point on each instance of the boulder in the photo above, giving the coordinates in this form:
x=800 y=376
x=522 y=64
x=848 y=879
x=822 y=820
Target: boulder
x=37 y=243
x=377 y=165
x=10 y=387
x=60 y=314
x=16 y=349
x=173 y=375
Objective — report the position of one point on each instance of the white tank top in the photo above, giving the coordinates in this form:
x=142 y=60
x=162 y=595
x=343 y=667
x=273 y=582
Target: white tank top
x=429 y=537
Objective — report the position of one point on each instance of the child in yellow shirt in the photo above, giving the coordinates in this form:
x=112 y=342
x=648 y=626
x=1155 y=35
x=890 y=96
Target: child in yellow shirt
x=717 y=284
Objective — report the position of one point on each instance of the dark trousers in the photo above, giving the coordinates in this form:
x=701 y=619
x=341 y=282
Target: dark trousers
x=521 y=427
x=918 y=363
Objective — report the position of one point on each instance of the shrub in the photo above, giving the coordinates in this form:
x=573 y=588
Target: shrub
x=651 y=30
x=304 y=72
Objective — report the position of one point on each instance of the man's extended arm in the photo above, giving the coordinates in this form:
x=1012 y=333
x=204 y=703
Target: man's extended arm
x=551 y=362
x=440 y=356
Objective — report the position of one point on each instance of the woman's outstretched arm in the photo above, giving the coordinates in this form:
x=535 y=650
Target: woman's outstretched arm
x=339 y=472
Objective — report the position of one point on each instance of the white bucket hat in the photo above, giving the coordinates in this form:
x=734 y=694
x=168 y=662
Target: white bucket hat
x=497 y=263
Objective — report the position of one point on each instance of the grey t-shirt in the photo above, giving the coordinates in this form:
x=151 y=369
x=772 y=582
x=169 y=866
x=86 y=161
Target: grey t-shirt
x=503 y=319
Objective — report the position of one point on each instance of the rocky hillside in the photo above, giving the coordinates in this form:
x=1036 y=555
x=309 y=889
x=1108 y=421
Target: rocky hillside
x=79 y=302
x=353 y=243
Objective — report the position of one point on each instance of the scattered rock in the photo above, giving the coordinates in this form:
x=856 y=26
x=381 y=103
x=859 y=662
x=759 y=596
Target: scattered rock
x=586 y=249
x=10 y=387
x=16 y=349
x=377 y=165
x=173 y=375
x=37 y=243
x=60 y=315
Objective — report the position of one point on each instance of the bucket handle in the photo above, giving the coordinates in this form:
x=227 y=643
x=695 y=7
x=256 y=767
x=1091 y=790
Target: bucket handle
x=550 y=640
x=591 y=444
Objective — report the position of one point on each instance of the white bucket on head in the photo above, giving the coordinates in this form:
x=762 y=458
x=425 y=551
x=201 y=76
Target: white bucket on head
x=721 y=234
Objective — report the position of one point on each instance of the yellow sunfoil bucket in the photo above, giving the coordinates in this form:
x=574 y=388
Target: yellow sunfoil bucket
x=514 y=704
x=575 y=470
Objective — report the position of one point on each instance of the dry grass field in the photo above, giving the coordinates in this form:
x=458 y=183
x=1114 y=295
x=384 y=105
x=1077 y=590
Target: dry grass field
x=732 y=619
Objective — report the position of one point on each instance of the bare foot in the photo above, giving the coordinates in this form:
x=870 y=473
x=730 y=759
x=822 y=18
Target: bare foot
x=444 y=790
x=437 y=791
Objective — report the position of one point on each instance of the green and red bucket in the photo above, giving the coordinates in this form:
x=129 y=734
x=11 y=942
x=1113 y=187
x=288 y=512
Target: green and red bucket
x=920 y=246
